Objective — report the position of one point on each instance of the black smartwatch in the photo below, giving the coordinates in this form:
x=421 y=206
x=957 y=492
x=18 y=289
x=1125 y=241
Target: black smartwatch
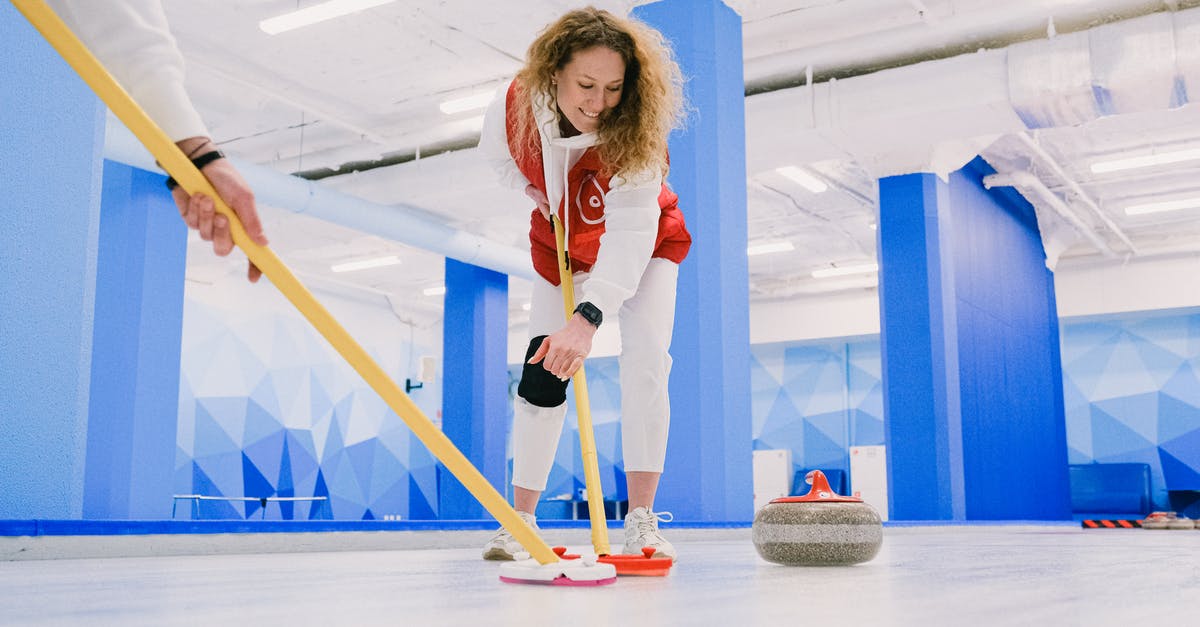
x=590 y=312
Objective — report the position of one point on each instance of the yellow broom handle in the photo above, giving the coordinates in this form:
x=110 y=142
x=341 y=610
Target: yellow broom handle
x=178 y=166
x=587 y=437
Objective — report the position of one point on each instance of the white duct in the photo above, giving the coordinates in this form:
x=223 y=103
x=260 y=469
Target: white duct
x=914 y=118
x=396 y=222
x=842 y=43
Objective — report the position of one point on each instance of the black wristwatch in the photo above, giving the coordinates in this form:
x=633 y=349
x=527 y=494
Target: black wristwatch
x=591 y=313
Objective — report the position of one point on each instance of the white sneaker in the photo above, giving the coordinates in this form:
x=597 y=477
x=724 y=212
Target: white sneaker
x=641 y=530
x=503 y=546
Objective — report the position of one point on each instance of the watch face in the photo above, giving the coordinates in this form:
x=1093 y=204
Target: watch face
x=590 y=313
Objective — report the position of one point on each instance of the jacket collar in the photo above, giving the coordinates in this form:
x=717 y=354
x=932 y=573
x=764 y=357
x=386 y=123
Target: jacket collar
x=547 y=121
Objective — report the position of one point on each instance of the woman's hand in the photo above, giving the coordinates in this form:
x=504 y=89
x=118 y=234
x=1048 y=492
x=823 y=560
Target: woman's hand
x=565 y=349
x=538 y=197
x=199 y=211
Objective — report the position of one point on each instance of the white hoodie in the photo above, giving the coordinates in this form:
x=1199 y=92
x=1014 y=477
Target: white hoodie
x=631 y=210
x=132 y=41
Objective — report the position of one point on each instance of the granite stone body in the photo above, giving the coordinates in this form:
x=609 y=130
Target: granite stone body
x=817 y=534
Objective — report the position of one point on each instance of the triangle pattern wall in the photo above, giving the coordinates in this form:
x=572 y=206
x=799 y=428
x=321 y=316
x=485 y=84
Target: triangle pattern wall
x=1132 y=394
x=268 y=409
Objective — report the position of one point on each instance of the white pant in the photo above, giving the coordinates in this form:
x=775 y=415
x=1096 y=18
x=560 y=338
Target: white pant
x=646 y=320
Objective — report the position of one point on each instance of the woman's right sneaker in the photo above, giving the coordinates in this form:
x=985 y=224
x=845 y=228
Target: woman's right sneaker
x=503 y=546
x=641 y=530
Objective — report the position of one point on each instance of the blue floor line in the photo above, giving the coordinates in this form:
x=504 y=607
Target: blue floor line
x=151 y=527
x=148 y=527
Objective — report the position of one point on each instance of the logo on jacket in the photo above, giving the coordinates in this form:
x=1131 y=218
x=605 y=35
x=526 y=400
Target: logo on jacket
x=590 y=196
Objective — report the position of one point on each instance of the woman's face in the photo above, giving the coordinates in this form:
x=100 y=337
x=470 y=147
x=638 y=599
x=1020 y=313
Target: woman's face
x=590 y=85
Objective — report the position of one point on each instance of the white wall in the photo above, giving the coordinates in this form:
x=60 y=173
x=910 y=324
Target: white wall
x=841 y=314
x=1166 y=282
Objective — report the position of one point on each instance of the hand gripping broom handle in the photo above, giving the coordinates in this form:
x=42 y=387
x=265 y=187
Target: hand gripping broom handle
x=587 y=438
x=178 y=166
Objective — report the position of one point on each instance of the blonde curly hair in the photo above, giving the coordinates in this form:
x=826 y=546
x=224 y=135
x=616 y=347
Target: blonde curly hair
x=633 y=135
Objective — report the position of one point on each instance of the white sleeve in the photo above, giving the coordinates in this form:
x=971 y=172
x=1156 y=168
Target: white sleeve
x=493 y=143
x=630 y=228
x=132 y=40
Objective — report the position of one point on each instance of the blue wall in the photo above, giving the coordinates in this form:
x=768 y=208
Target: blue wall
x=1132 y=389
x=707 y=475
x=135 y=351
x=52 y=130
x=267 y=408
x=1009 y=367
x=475 y=401
x=970 y=337
x=817 y=399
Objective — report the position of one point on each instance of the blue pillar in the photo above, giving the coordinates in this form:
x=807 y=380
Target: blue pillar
x=474 y=381
x=922 y=422
x=973 y=395
x=52 y=129
x=135 y=350
x=708 y=471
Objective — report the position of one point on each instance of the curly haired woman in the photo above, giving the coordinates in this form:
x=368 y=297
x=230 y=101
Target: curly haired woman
x=583 y=130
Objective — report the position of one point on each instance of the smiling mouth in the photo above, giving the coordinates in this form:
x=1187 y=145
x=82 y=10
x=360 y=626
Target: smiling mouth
x=593 y=116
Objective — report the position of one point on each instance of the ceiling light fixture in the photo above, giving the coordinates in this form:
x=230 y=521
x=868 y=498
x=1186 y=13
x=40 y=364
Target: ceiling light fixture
x=316 y=13
x=364 y=264
x=1157 y=207
x=804 y=178
x=480 y=100
x=825 y=273
x=769 y=247
x=436 y=290
x=1145 y=161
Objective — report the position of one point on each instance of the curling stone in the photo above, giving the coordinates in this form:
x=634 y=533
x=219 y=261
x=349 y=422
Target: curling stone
x=821 y=528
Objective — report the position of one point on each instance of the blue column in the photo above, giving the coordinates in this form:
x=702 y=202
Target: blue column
x=52 y=129
x=708 y=471
x=973 y=381
x=135 y=350
x=922 y=422
x=474 y=381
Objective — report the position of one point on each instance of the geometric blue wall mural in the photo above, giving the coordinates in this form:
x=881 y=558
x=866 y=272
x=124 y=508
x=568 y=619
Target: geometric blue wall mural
x=268 y=409
x=1131 y=386
x=812 y=398
x=604 y=398
x=817 y=399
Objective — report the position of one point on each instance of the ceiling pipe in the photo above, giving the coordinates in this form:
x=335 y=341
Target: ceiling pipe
x=1075 y=188
x=931 y=35
x=1028 y=182
x=399 y=223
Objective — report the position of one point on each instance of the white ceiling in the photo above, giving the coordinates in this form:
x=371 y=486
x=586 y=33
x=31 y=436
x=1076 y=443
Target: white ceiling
x=354 y=102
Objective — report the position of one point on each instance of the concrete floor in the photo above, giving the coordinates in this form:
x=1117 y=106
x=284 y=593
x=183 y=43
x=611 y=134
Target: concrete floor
x=977 y=575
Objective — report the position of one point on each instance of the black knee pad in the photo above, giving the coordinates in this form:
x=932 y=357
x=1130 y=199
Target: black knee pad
x=538 y=386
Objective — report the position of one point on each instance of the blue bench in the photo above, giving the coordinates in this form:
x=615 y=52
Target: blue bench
x=1103 y=489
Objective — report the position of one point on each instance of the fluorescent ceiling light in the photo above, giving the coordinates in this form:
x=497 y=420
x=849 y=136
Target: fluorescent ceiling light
x=1145 y=161
x=1169 y=205
x=467 y=103
x=436 y=290
x=363 y=264
x=316 y=13
x=769 y=247
x=865 y=268
x=806 y=180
